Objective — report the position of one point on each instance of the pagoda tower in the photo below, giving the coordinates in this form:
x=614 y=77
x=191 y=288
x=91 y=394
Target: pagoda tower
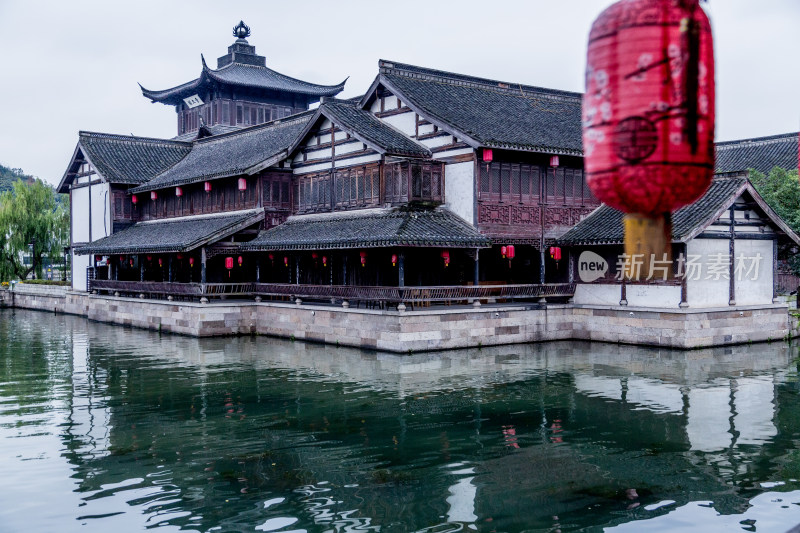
x=242 y=91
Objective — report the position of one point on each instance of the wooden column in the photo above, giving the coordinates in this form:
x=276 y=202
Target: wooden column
x=344 y=269
x=571 y=266
x=203 y=265
x=731 y=262
x=169 y=266
x=476 y=275
x=541 y=264
x=774 y=271
x=258 y=269
x=141 y=267
x=401 y=269
x=108 y=268
x=297 y=270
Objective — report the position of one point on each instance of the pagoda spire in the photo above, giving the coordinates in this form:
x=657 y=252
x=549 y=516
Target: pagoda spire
x=241 y=30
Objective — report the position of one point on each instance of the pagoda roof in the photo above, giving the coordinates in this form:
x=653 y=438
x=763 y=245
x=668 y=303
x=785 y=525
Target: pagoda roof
x=484 y=112
x=374 y=228
x=760 y=153
x=242 y=75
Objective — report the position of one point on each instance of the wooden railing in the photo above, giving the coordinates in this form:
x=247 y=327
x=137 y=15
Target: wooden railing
x=337 y=293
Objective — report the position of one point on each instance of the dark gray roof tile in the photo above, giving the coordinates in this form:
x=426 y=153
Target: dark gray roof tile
x=371 y=228
x=761 y=154
x=173 y=235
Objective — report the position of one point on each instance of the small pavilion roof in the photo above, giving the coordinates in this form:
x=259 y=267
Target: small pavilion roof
x=374 y=228
x=173 y=234
x=486 y=112
x=125 y=159
x=604 y=225
x=242 y=75
x=760 y=153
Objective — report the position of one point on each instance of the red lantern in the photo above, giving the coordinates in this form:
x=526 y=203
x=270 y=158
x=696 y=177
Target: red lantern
x=314 y=256
x=191 y=261
x=503 y=251
x=121 y=258
x=446 y=257
x=394 y=259
x=229 y=263
x=160 y=262
x=242 y=184
x=648 y=111
x=240 y=260
x=178 y=191
x=488 y=155
x=179 y=256
x=131 y=261
x=286 y=261
x=510 y=251
x=363 y=258
x=149 y=258
x=324 y=261
x=153 y=195
x=207 y=186
x=134 y=199
x=555 y=253
x=554 y=161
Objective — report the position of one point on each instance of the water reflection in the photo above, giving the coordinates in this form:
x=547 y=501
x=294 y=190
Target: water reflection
x=108 y=428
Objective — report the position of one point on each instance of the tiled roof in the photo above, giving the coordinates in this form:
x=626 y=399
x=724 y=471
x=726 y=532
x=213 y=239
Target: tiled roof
x=243 y=75
x=370 y=228
x=366 y=126
x=216 y=129
x=232 y=153
x=128 y=159
x=761 y=153
x=604 y=224
x=491 y=113
x=173 y=235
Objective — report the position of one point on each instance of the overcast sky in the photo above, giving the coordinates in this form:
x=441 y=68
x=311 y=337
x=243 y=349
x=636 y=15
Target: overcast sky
x=74 y=65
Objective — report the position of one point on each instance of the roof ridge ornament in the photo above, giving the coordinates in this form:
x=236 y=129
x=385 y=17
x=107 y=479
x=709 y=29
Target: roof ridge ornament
x=241 y=30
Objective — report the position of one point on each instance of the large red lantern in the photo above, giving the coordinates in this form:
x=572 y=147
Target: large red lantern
x=153 y=195
x=178 y=191
x=648 y=114
x=134 y=200
x=363 y=258
x=648 y=111
x=510 y=252
x=488 y=155
x=229 y=263
x=207 y=186
x=242 y=184
x=446 y=258
x=555 y=253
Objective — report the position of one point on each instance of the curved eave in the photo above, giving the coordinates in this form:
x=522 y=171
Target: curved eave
x=303 y=87
x=174 y=95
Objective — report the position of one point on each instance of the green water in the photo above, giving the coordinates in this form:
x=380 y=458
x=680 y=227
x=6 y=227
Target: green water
x=110 y=429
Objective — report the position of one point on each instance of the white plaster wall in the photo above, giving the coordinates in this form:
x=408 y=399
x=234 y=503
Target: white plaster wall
x=424 y=129
x=437 y=141
x=358 y=160
x=101 y=211
x=451 y=153
x=756 y=287
x=707 y=291
x=391 y=103
x=312 y=168
x=324 y=153
x=79 y=265
x=588 y=294
x=653 y=296
x=80 y=214
x=405 y=122
x=343 y=149
x=459 y=190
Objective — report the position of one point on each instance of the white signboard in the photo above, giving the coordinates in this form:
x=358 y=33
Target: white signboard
x=193 y=101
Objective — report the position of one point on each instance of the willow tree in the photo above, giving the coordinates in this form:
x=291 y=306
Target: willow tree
x=31 y=221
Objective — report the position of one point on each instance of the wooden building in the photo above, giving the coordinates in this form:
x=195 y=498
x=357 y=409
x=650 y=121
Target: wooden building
x=430 y=179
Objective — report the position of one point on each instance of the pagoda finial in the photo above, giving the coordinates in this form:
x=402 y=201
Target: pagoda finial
x=241 y=30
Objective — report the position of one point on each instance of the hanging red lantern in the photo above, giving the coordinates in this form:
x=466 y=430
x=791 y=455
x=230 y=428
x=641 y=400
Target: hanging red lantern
x=446 y=257
x=503 y=251
x=510 y=251
x=153 y=195
x=286 y=261
x=554 y=161
x=178 y=191
x=394 y=259
x=229 y=263
x=207 y=186
x=363 y=258
x=131 y=262
x=134 y=199
x=324 y=261
x=191 y=261
x=179 y=256
x=160 y=262
x=488 y=155
x=555 y=253
x=149 y=258
x=240 y=260
x=121 y=258
x=314 y=256
x=648 y=111
x=242 y=184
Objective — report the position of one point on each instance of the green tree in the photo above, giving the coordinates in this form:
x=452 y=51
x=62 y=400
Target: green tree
x=30 y=214
x=781 y=190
